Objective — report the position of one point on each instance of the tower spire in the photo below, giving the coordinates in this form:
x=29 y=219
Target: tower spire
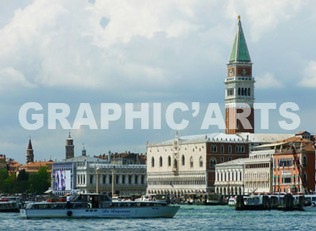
x=29 y=152
x=239 y=52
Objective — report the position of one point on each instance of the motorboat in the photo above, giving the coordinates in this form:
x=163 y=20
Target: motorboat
x=92 y=205
x=231 y=201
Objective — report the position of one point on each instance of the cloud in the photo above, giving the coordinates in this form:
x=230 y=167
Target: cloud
x=267 y=80
x=309 y=79
x=11 y=78
x=264 y=16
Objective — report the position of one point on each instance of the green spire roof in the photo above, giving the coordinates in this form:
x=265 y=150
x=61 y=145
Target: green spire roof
x=239 y=52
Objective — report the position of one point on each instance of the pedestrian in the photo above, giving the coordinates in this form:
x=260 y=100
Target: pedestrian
x=68 y=201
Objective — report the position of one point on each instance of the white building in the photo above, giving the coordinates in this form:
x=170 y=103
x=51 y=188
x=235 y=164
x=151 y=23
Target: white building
x=186 y=165
x=258 y=172
x=90 y=174
x=246 y=176
x=229 y=177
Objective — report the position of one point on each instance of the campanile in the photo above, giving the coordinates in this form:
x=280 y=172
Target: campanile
x=239 y=87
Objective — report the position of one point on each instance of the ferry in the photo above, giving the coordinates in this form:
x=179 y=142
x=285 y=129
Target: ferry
x=99 y=206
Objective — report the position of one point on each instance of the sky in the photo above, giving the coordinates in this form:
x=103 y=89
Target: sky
x=90 y=67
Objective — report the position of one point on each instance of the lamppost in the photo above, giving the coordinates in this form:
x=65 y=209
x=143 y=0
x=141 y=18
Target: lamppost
x=97 y=180
x=113 y=181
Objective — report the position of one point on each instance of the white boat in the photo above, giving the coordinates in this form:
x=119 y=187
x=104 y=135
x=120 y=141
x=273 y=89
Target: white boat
x=231 y=202
x=99 y=206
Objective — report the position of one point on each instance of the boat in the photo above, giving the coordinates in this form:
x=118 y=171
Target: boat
x=252 y=202
x=309 y=203
x=9 y=204
x=92 y=205
x=231 y=201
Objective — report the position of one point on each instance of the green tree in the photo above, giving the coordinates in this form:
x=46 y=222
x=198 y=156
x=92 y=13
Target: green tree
x=39 y=182
x=3 y=177
x=8 y=184
x=21 y=184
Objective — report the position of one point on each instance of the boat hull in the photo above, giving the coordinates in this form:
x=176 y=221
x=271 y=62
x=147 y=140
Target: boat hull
x=135 y=212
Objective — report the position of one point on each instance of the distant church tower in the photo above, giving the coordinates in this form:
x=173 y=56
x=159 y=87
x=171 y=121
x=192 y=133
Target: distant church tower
x=239 y=87
x=29 y=152
x=70 y=148
x=84 y=151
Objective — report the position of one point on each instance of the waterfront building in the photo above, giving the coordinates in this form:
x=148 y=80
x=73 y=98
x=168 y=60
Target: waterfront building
x=186 y=164
x=286 y=166
x=91 y=174
x=229 y=177
x=258 y=172
x=294 y=164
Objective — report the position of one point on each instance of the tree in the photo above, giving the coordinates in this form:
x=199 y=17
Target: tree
x=3 y=177
x=39 y=182
x=21 y=185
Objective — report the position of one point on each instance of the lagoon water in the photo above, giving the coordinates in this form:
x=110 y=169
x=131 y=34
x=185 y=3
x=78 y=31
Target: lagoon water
x=189 y=217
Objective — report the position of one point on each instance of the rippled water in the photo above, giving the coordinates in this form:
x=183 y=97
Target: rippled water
x=189 y=217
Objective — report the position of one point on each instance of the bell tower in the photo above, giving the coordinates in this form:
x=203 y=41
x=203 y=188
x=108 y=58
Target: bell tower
x=29 y=152
x=239 y=87
x=70 y=148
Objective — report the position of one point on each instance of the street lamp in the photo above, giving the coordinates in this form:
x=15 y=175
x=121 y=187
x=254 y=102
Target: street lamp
x=97 y=180
x=113 y=181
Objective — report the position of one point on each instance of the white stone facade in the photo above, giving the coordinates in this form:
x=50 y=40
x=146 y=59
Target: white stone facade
x=94 y=175
x=186 y=165
x=258 y=173
x=229 y=177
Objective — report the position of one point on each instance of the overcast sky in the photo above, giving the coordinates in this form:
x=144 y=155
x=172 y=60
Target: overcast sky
x=114 y=53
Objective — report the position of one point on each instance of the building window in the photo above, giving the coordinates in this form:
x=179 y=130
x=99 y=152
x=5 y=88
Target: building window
x=160 y=161
x=222 y=159
x=230 y=149
x=152 y=162
x=230 y=158
x=169 y=161
x=123 y=179
x=91 y=179
x=222 y=148
x=191 y=162
x=136 y=179
x=201 y=162
x=214 y=148
x=304 y=161
x=286 y=180
x=183 y=160
x=213 y=162
x=230 y=91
